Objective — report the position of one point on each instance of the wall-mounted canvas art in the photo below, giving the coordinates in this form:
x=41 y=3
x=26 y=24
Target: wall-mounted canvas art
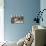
x=17 y=19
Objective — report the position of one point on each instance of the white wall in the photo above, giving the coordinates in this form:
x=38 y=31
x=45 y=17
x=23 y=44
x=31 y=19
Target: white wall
x=1 y=20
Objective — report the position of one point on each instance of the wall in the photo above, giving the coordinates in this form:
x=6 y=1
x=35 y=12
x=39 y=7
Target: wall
x=1 y=20
x=13 y=32
x=43 y=6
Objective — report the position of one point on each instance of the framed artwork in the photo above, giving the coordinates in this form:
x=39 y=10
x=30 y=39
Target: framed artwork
x=17 y=19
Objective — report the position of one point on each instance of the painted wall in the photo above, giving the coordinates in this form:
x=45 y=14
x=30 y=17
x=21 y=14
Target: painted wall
x=43 y=6
x=13 y=32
